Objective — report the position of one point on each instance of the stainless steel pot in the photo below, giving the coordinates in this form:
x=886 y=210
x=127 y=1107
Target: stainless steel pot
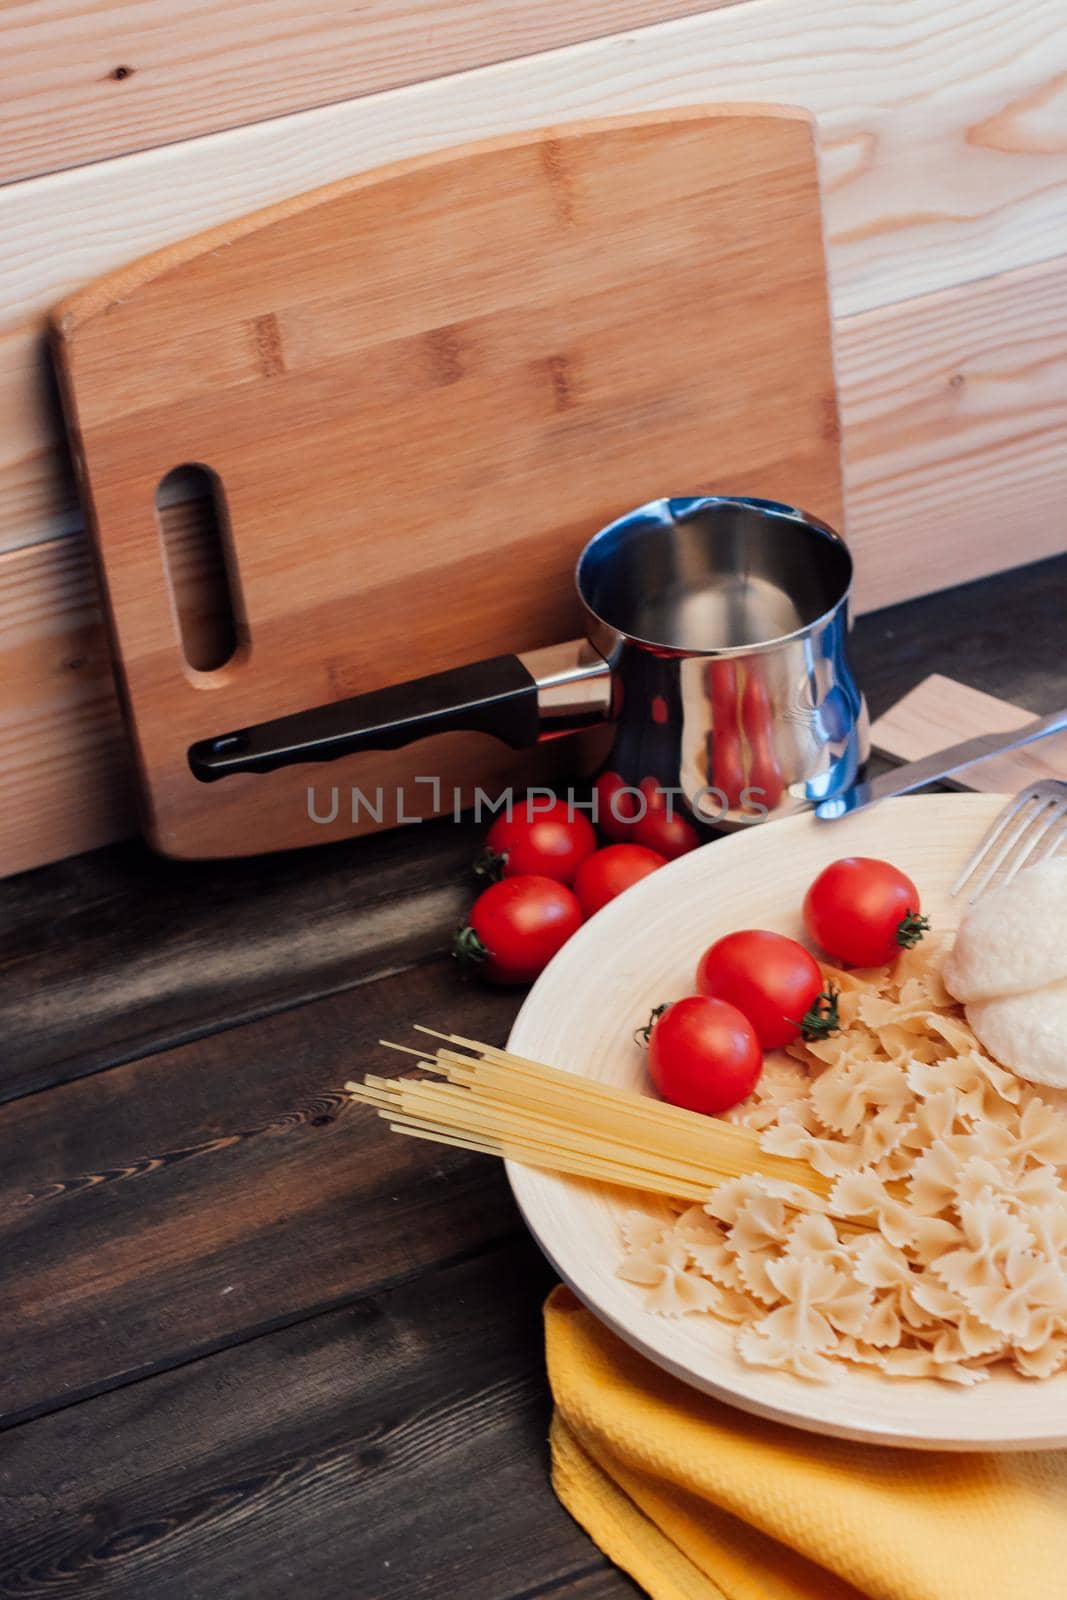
x=716 y=643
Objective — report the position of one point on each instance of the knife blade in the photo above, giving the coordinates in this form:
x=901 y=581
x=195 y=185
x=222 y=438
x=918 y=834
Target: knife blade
x=942 y=764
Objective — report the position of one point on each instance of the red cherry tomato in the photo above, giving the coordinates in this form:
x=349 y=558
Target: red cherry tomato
x=604 y=875
x=549 y=841
x=704 y=1055
x=863 y=911
x=617 y=805
x=772 y=980
x=516 y=926
x=662 y=827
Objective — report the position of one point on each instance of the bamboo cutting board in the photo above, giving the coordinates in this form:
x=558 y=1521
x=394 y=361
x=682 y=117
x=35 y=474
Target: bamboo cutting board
x=940 y=712
x=418 y=392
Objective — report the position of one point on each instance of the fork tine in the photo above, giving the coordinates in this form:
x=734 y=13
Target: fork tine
x=985 y=845
x=1024 y=820
x=1056 y=836
x=1045 y=820
x=1031 y=827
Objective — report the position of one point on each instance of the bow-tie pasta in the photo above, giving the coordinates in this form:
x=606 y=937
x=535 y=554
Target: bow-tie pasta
x=943 y=1246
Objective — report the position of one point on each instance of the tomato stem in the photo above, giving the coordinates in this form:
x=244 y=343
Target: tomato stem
x=821 y=1018
x=490 y=865
x=911 y=928
x=467 y=948
x=644 y=1034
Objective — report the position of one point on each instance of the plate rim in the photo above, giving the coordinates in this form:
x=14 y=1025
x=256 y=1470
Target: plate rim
x=523 y=1182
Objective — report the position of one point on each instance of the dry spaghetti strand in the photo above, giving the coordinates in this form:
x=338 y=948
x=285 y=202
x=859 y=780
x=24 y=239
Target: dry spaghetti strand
x=509 y=1106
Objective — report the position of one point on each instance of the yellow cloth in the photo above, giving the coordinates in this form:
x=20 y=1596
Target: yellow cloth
x=698 y=1501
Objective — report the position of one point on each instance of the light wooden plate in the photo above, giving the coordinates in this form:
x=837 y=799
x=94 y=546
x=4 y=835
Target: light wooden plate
x=580 y=1015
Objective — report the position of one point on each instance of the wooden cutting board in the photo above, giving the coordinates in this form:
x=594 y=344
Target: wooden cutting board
x=940 y=712
x=418 y=392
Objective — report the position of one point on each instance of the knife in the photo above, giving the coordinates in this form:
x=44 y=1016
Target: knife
x=942 y=764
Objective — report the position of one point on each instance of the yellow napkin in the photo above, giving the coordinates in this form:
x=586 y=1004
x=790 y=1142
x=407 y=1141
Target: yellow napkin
x=698 y=1501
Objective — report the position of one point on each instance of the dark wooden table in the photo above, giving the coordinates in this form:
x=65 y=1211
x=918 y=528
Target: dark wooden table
x=254 y=1345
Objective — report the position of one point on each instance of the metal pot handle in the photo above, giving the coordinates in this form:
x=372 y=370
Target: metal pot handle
x=519 y=699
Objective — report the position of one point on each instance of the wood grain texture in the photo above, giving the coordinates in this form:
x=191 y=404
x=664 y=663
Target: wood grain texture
x=391 y=1447
x=111 y=78
x=955 y=432
x=940 y=712
x=392 y=1450
x=918 y=443
x=941 y=165
x=174 y=1204
x=115 y=954
x=153 y=936
x=451 y=431
x=59 y=716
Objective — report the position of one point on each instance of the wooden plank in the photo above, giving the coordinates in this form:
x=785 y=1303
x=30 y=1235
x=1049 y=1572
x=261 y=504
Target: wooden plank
x=603 y=1583
x=113 y=955
x=449 y=434
x=188 y=1200
x=957 y=463
x=940 y=712
x=393 y=1450
x=941 y=165
x=955 y=433
x=600 y=1582
x=110 y=78
x=59 y=717
x=972 y=632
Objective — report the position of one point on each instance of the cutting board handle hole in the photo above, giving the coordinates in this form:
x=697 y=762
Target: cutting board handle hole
x=195 y=530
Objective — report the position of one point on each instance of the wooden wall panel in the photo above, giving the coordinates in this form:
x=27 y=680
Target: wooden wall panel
x=64 y=780
x=941 y=123
x=955 y=419
x=103 y=78
x=955 y=432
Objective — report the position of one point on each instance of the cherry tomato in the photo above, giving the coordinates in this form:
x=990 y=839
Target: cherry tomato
x=549 y=841
x=617 y=806
x=516 y=926
x=772 y=980
x=703 y=1054
x=863 y=911
x=604 y=875
x=662 y=827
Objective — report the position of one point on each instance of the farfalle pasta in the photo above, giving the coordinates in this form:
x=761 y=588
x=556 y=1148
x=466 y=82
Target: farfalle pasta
x=942 y=1248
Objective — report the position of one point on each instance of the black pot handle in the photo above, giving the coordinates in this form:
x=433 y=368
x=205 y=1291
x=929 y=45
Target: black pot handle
x=499 y=696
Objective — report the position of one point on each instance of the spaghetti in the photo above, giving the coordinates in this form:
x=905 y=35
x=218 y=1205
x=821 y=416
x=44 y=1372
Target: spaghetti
x=505 y=1105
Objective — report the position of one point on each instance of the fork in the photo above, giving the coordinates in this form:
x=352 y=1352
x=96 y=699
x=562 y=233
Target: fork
x=1036 y=817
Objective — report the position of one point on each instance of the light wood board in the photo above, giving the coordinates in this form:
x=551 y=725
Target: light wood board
x=955 y=433
x=940 y=712
x=423 y=390
x=65 y=780
x=941 y=165
x=105 y=78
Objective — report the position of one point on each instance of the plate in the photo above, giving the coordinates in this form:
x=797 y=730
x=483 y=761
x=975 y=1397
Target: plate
x=642 y=949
